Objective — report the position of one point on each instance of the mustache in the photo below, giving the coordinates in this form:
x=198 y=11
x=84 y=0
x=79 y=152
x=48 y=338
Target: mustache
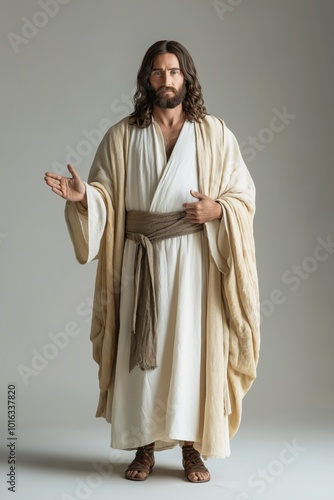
x=164 y=89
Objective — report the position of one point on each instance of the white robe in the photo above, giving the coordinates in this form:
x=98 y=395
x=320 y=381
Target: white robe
x=164 y=405
x=228 y=263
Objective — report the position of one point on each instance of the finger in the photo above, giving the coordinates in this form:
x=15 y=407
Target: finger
x=53 y=182
x=57 y=191
x=186 y=206
x=51 y=175
x=191 y=218
x=200 y=196
x=192 y=211
x=73 y=172
x=190 y=207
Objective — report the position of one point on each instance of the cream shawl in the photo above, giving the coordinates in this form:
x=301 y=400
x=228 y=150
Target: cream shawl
x=233 y=338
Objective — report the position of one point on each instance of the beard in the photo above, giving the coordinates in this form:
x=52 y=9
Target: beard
x=159 y=98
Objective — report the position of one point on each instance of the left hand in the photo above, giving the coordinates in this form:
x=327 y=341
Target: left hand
x=203 y=210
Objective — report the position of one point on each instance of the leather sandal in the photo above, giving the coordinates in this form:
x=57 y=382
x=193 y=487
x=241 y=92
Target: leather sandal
x=143 y=462
x=192 y=462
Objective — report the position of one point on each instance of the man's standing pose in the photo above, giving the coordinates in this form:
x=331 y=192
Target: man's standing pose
x=168 y=212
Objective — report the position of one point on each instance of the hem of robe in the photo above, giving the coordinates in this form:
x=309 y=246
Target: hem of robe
x=104 y=411
x=164 y=445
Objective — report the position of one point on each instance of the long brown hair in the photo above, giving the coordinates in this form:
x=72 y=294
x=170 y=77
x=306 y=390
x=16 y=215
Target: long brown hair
x=193 y=104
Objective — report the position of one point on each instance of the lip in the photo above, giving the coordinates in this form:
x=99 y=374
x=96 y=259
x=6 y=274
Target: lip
x=166 y=92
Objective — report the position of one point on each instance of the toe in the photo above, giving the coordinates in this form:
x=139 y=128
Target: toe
x=205 y=476
x=198 y=476
x=135 y=474
x=141 y=475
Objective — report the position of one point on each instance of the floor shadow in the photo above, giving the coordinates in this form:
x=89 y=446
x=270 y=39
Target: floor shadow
x=69 y=464
x=164 y=472
x=62 y=463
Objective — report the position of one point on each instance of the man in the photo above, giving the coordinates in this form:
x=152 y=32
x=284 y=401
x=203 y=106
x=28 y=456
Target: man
x=168 y=212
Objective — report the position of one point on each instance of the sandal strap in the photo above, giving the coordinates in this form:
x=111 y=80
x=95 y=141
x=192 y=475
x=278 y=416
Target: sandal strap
x=192 y=461
x=144 y=459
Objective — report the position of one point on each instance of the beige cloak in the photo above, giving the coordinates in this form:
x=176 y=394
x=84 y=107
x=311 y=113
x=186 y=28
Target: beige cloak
x=232 y=330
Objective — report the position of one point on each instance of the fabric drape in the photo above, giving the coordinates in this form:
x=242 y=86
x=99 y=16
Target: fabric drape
x=232 y=328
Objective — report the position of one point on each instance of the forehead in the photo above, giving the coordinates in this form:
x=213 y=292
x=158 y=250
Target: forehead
x=166 y=61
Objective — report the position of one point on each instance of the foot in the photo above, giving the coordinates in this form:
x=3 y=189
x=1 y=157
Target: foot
x=194 y=468
x=142 y=465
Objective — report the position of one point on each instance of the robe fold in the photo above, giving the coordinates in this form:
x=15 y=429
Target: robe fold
x=230 y=326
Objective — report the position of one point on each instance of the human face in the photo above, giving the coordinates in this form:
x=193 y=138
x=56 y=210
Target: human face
x=167 y=81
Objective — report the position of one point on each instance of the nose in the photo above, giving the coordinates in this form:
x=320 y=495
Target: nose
x=166 y=78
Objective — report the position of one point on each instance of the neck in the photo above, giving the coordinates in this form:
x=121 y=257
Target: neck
x=168 y=117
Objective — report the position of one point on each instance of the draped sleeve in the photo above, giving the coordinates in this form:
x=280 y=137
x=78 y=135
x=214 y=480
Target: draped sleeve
x=98 y=233
x=86 y=226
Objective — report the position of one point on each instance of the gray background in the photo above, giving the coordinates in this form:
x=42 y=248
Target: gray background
x=76 y=73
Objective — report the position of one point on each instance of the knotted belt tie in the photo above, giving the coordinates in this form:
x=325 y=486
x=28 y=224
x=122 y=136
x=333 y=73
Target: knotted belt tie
x=145 y=228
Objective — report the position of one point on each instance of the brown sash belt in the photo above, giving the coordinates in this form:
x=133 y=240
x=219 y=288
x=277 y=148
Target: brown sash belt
x=145 y=228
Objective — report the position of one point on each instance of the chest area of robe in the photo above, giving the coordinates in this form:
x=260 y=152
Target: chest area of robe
x=155 y=183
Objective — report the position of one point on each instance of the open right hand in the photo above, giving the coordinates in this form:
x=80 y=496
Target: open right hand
x=71 y=189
